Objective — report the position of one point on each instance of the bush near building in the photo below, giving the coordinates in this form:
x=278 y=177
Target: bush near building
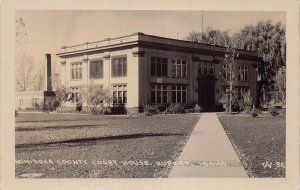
x=173 y=108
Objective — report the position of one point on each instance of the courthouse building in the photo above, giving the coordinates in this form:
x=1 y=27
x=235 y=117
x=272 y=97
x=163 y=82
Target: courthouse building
x=144 y=69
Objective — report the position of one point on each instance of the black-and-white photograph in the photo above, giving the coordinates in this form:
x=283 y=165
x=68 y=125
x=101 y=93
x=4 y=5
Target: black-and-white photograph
x=150 y=94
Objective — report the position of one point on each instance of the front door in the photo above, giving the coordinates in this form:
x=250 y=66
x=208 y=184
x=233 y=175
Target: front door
x=206 y=92
x=206 y=96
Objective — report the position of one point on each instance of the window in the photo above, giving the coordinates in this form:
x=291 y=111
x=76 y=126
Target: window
x=227 y=92
x=76 y=70
x=159 y=94
x=120 y=94
x=35 y=102
x=96 y=69
x=179 y=94
x=119 y=67
x=159 y=66
x=206 y=68
x=243 y=91
x=226 y=71
x=243 y=73
x=179 y=69
x=75 y=94
x=211 y=69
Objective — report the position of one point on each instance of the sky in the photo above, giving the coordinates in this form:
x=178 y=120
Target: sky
x=49 y=30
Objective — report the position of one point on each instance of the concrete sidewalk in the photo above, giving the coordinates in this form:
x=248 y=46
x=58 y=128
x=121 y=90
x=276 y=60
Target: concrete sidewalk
x=208 y=152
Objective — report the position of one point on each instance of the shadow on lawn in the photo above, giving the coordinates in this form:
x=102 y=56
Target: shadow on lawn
x=59 y=127
x=96 y=139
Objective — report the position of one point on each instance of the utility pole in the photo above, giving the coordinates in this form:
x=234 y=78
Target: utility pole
x=202 y=26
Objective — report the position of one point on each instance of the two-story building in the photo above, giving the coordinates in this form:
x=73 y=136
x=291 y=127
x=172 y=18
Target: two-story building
x=144 y=69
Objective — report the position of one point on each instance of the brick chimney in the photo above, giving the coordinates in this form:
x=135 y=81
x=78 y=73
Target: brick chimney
x=48 y=82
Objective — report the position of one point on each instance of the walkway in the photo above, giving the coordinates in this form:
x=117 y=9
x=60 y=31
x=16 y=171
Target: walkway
x=208 y=152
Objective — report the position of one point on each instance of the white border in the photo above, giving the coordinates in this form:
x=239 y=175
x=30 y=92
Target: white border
x=8 y=181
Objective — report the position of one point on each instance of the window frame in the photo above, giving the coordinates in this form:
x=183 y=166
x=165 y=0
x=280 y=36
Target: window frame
x=124 y=71
x=101 y=68
x=75 y=94
x=77 y=70
x=123 y=88
x=226 y=68
x=177 y=67
x=206 y=66
x=243 y=73
x=154 y=65
x=179 y=90
x=159 y=89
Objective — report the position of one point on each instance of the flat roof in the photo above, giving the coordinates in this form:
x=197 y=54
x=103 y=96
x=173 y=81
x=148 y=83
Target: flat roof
x=140 y=38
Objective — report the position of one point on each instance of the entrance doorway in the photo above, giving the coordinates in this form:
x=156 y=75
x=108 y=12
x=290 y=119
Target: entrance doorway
x=206 y=93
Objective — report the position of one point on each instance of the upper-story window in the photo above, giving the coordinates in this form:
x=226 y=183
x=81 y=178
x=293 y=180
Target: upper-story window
x=159 y=66
x=96 y=69
x=179 y=68
x=227 y=71
x=76 y=70
x=206 y=68
x=243 y=73
x=119 y=67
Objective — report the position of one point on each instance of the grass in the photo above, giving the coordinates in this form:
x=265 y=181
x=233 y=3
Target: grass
x=258 y=141
x=89 y=137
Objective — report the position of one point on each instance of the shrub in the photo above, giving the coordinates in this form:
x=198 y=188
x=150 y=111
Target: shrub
x=97 y=99
x=150 y=110
x=117 y=109
x=197 y=109
x=62 y=95
x=55 y=104
x=175 y=108
x=162 y=108
x=254 y=113
x=274 y=111
x=189 y=108
x=79 y=106
x=192 y=108
x=236 y=106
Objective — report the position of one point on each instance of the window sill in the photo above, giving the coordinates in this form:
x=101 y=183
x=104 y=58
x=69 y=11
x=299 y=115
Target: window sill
x=76 y=79
x=118 y=76
x=160 y=76
x=180 y=77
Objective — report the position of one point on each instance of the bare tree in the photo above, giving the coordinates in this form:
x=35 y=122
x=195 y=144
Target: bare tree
x=25 y=74
x=25 y=68
x=228 y=71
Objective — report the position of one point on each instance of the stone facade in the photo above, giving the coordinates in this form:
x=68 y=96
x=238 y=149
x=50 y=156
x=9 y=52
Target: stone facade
x=142 y=69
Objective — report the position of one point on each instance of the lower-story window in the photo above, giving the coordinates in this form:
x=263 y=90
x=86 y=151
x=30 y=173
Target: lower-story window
x=159 y=94
x=35 y=102
x=243 y=93
x=75 y=94
x=120 y=94
x=179 y=94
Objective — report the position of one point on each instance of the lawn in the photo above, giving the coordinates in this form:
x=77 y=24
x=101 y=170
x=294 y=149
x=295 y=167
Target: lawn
x=96 y=138
x=259 y=142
